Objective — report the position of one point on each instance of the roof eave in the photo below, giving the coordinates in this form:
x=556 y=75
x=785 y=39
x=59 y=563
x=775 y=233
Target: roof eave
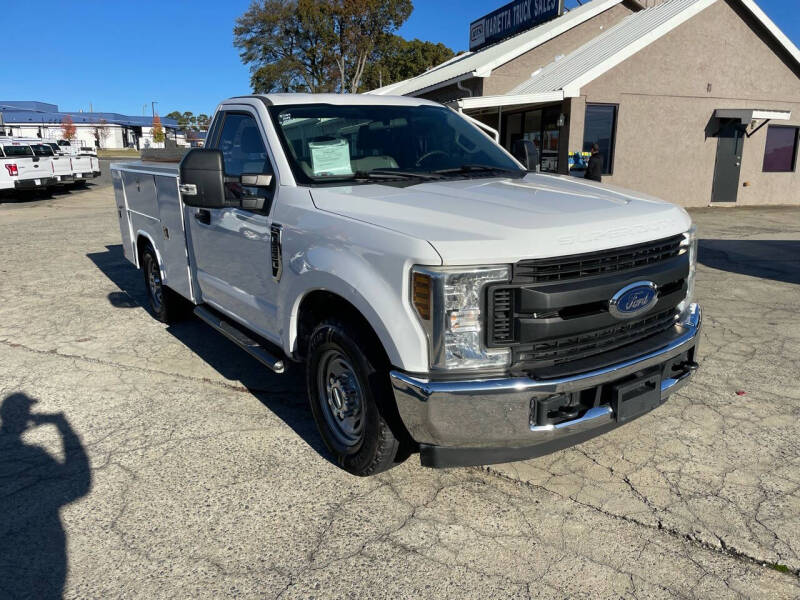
x=478 y=102
x=773 y=29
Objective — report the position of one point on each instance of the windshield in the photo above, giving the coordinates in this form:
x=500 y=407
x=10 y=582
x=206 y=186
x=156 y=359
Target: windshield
x=54 y=147
x=18 y=150
x=42 y=150
x=327 y=143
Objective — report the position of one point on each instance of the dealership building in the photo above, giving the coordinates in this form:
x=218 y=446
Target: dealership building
x=692 y=101
x=29 y=118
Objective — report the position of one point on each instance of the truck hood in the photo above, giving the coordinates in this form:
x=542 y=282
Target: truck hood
x=485 y=221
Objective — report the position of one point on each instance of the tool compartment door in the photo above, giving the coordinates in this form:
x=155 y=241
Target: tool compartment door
x=173 y=239
x=128 y=249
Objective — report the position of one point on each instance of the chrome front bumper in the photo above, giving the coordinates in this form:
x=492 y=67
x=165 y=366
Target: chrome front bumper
x=483 y=421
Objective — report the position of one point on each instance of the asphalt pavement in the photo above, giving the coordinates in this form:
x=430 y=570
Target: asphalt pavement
x=139 y=460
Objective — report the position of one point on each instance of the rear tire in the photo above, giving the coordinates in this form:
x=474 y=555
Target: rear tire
x=165 y=305
x=349 y=394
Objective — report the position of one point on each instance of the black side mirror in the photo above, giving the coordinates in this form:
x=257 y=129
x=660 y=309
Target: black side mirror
x=525 y=152
x=203 y=178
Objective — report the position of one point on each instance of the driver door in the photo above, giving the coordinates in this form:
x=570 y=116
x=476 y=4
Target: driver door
x=231 y=245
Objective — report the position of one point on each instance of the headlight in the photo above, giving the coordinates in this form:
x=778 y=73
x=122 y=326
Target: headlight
x=690 y=243
x=449 y=302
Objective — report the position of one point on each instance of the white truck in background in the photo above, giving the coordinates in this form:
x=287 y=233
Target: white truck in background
x=85 y=164
x=22 y=169
x=59 y=164
x=441 y=298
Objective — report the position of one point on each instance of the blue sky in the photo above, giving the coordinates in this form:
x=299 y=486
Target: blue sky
x=120 y=55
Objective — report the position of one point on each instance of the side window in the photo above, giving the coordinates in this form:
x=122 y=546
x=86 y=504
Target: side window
x=242 y=147
x=243 y=152
x=213 y=130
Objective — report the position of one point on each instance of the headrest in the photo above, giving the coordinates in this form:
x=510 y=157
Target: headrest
x=251 y=141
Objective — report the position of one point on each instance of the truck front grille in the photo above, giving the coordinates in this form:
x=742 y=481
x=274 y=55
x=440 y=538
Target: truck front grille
x=559 y=350
x=556 y=311
x=578 y=266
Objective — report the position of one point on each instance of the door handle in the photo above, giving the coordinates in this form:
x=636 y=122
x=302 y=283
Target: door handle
x=204 y=216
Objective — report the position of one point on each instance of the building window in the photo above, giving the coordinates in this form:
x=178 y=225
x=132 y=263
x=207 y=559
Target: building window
x=780 y=154
x=600 y=128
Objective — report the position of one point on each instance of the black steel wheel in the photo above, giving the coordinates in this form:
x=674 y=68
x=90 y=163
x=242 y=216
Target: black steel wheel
x=165 y=305
x=350 y=398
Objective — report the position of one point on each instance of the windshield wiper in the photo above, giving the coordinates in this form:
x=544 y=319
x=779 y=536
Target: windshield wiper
x=391 y=174
x=471 y=168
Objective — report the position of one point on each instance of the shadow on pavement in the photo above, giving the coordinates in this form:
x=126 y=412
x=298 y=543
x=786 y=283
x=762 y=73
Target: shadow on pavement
x=778 y=260
x=284 y=395
x=33 y=488
x=26 y=196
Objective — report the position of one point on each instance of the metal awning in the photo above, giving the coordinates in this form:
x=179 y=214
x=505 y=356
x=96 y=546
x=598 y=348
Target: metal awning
x=477 y=102
x=747 y=115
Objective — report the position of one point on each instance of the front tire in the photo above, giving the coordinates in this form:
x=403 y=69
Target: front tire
x=348 y=391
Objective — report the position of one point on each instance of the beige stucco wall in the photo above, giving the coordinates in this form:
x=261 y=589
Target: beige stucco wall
x=665 y=107
x=510 y=75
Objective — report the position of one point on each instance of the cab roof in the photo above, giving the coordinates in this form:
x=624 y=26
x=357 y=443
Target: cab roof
x=339 y=99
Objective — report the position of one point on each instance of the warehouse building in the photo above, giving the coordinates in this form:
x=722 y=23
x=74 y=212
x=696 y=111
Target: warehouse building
x=693 y=101
x=93 y=129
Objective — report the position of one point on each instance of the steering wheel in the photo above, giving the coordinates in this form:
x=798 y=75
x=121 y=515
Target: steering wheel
x=427 y=155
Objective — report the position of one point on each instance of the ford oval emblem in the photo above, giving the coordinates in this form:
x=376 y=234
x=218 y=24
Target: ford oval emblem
x=633 y=300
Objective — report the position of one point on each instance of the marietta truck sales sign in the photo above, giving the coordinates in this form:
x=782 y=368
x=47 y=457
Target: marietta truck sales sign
x=511 y=19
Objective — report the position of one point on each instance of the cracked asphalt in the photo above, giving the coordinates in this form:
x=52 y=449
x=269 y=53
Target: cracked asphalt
x=145 y=461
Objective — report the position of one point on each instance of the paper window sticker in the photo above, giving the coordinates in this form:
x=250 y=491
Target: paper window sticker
x=331 y=157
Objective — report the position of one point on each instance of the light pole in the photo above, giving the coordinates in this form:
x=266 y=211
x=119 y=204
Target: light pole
x=153 y=107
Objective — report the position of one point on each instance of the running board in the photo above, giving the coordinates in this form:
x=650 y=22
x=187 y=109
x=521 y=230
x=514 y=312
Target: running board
x=240 y=338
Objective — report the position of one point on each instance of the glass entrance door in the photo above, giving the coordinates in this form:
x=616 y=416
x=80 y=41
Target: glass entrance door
x=539 y=126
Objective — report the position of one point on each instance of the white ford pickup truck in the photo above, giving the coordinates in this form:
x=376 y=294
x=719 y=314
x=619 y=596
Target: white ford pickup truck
x=442 y=298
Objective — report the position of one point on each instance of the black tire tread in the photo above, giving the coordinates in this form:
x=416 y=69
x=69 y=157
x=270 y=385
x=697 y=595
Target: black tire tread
x=173 y=306
x=382 y=441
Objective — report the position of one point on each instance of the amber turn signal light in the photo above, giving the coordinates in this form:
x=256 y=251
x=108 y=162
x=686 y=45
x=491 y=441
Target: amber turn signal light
x=421 y=294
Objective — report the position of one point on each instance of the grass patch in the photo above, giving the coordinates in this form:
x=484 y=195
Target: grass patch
x=111 y=153
x=778 y=567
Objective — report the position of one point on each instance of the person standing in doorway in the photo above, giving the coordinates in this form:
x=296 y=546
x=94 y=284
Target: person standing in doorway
x=594 y=170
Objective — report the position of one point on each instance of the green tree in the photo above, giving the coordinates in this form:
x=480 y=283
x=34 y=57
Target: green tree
x=402 y=59
x=315 y=45
x=187 y=121
x=363 y=32
x=284 y=43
